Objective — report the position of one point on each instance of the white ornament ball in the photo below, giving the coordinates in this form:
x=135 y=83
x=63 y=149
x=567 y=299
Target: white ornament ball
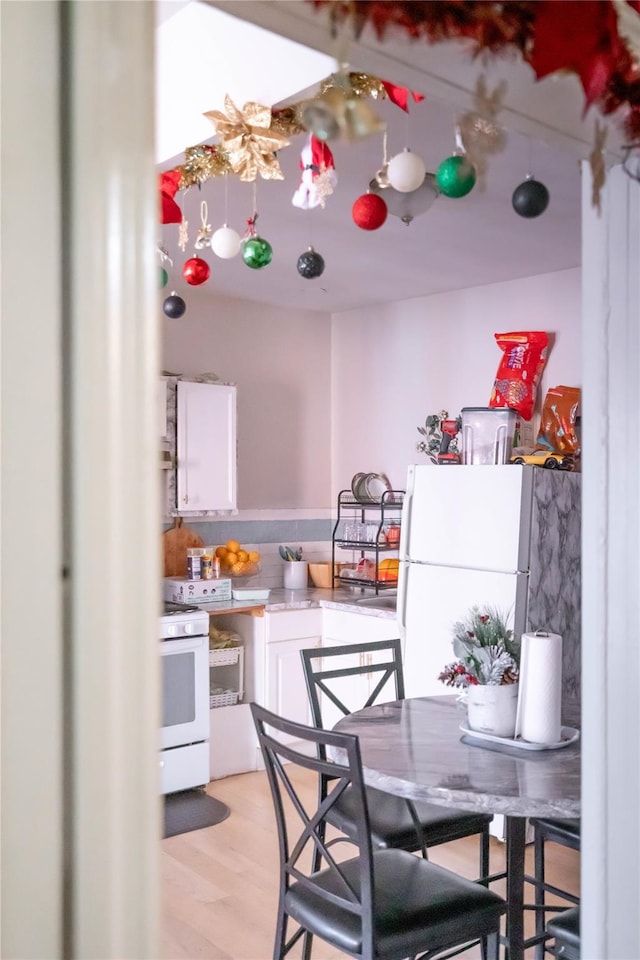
x=406 y=171
x=225 y=243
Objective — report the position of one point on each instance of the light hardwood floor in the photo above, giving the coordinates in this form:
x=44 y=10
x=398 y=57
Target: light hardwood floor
x=219 y=885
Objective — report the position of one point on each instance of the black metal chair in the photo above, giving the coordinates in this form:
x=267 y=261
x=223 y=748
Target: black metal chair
x=567 y=834
x=565 y=930
x=395 y=822
x=370 y=904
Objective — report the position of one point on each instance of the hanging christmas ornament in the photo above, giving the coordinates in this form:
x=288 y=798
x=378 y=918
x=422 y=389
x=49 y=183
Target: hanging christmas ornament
x=174 y=306
x=456 y=176
x=256 y=252
x=183 y=234
x=310 y=264
x=164 y=258
x=196 y=271
x=480 y=131
x=341 y=109
x=203 y=239
x=225 y=242
x=369 y=211
x=530 y=198
x=405 y=171
x=318 y=175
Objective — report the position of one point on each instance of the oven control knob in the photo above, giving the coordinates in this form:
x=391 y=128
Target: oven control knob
x=171 y=630
x=189 y=628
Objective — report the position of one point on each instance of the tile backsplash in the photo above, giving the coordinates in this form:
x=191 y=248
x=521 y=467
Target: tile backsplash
x=313 y=535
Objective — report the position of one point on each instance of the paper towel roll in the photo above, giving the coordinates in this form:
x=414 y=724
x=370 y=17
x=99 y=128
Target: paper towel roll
x=540 y=696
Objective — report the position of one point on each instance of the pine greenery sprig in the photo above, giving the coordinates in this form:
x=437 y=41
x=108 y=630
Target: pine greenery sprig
x=487 y=650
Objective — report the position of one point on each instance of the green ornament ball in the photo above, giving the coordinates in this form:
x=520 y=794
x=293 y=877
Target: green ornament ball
x=257 y=253
x=456 y=176
x=164 y=277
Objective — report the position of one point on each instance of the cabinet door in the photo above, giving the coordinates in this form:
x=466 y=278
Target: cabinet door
x=206 y=447
x=341 y=629
x=286 y=688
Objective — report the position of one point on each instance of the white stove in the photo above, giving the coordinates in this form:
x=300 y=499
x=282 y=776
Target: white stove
x=184 y=736
x=180 y=620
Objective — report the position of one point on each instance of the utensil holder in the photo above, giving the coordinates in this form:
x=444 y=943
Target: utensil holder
x=296 y=574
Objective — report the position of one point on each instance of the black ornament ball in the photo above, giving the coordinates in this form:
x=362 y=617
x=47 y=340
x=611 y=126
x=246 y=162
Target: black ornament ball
x=174 y=306
x=530 y=198
x=310 y=264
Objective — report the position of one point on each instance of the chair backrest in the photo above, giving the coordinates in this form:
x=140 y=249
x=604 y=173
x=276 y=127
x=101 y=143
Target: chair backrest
x=327 y=668
x=306 y=855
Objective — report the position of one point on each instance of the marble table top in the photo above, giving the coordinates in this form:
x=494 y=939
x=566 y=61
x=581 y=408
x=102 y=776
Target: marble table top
x=413 y=748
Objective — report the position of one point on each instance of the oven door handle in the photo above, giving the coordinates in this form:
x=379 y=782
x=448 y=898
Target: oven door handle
x=183 y=644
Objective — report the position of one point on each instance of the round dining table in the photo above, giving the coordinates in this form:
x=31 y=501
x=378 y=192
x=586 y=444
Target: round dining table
x=415 y=748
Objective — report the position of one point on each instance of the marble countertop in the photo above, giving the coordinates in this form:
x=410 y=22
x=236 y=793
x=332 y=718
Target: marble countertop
x=280 y=599
x=413 y=748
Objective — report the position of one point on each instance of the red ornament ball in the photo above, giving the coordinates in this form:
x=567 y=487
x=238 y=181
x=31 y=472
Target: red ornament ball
x=196 y=271
x=369 y=211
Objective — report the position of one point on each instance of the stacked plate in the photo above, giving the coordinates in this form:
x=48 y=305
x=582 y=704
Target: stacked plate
x=369 y=487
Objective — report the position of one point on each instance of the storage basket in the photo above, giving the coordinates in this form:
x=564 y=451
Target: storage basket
x=224 y=655
x=226 y=676
x=227 y=699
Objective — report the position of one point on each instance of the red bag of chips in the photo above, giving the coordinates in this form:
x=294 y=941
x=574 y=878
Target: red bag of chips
x=519 y=372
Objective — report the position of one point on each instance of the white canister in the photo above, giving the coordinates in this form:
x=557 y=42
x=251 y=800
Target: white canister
x=296 y=574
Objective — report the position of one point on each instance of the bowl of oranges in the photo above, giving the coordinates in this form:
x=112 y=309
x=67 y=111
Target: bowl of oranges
x=235 y=561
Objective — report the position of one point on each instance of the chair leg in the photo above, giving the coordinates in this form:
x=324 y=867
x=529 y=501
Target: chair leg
x=490 y=946
x=306 y=946
x=484 y=856
x=539 y=894
x=279 y=945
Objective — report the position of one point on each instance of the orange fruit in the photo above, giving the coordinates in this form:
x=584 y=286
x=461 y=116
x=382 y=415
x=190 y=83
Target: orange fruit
x=221 y=552
x=254 y=556
x=233 y=546
x=231 y=558
x=238 y=567
x=243 y=555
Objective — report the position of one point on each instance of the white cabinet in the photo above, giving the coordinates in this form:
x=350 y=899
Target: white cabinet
x=284 y=634
x=341 y=628
x=206 y=447
x=288 y=632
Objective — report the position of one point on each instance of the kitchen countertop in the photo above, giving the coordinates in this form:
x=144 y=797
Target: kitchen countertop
x=280 y=599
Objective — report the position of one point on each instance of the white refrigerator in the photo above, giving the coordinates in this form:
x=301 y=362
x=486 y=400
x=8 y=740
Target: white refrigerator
x=503 y=535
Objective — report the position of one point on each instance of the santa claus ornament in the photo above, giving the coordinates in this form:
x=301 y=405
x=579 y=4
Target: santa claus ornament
x=318 y=175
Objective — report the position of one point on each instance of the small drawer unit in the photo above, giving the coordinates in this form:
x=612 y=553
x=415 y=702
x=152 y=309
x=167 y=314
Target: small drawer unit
x=226 y=676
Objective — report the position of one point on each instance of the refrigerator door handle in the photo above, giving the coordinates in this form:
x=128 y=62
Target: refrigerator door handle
x=401 y=600
x=405 y=525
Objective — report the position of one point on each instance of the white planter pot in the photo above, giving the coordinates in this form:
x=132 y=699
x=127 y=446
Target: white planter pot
x=492 y=709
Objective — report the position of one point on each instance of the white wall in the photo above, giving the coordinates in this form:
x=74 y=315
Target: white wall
x=280 y=360
x=321 y=398
x=395 y=364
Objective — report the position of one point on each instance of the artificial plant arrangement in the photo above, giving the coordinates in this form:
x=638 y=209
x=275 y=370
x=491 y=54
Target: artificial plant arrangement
x=487 y=651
